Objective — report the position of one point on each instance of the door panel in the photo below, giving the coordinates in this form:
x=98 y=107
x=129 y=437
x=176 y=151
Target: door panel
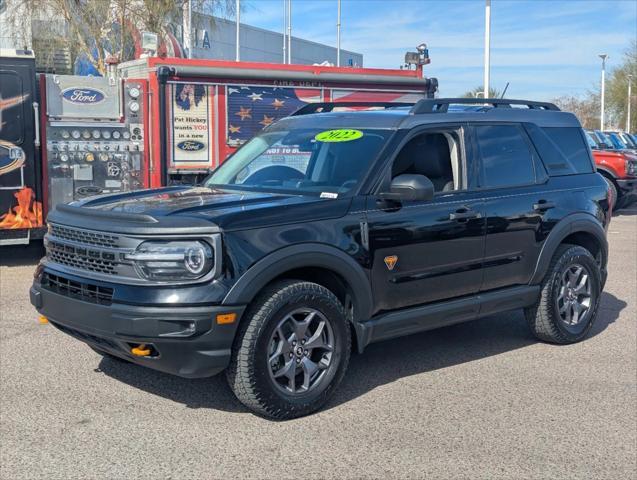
x=512 y=227
x=517 y=225
x=437 y=256
x=516 y=200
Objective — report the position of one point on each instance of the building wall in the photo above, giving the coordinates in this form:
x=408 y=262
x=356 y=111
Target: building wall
x=257 y=44
x=260 y=45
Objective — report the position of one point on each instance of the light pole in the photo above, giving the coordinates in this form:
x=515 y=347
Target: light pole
x=603 y=56
x=338 y=33
x=285 y=29
x=630 y=85
x=487 y=47
x=289 y=31
x=238 y=14
x=187 y=27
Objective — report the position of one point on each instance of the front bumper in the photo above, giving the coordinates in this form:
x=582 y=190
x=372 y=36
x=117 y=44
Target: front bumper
x=186 y=340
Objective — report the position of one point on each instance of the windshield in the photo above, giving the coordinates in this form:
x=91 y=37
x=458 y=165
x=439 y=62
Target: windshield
x=603 y=138
x=617 y=142
x=321 y=162
x=630 y=143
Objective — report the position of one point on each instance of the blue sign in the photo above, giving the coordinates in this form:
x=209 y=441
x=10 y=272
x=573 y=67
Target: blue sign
x=190 y=146
x=83 y=96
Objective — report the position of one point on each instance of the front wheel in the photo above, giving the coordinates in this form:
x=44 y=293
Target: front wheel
x=291 y=351
x=569 y=298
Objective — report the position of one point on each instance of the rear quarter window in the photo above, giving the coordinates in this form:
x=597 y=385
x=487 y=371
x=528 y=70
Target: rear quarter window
x=563 y=150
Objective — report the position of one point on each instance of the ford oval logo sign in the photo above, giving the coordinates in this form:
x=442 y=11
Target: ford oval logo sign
x=83 y=96
x=190 y=146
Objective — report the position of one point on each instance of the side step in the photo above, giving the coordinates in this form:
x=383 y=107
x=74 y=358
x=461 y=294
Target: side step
x=441 y=314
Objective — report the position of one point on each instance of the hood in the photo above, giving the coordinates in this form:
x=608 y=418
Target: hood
x=613 y=153
x=226 y=208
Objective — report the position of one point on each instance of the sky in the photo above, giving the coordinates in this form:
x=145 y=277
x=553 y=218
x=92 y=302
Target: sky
x=543 y=48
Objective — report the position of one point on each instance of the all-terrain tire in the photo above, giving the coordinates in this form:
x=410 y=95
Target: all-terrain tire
x=248 y=374
x=544 y=317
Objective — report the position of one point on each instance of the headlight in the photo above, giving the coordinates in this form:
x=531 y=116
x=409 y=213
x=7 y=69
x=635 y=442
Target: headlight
x=631 y=167
x=169 y=261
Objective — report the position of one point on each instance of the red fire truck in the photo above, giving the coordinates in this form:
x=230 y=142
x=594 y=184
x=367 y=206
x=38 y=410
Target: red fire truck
x=200 y=111
x=155 y=122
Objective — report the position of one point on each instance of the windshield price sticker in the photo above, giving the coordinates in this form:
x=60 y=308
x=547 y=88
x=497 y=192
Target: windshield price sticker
x=329 y=195
x=340 y=135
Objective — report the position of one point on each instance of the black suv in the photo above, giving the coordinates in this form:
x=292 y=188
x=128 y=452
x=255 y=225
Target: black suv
x=333 y=229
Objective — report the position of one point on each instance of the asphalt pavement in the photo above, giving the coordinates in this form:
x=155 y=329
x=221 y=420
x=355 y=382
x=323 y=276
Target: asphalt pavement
x=477 y=400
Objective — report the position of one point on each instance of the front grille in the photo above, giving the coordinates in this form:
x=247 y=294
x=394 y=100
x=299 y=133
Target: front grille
x=79 y=290
x=98 y=254
x=83 y=236
x=87 y=337
x=81 y=258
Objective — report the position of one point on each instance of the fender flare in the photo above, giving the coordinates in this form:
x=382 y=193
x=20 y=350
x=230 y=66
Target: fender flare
x=299 y=256
x=577 y=222
x=606 y=170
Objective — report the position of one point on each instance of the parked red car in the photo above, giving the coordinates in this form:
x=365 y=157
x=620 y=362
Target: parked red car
x=620 y=172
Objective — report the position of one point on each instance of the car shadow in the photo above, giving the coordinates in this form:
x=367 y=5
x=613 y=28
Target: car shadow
x=22 y=255
x=627 y=210
x=381 y=364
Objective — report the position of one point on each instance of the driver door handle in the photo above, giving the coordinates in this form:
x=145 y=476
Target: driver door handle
x=463 y=214
x=543 y=205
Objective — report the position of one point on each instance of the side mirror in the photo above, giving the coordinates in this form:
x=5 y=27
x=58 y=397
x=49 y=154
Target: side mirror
x=410 y=187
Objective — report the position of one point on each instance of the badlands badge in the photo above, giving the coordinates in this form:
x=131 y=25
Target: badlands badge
x=391 y=261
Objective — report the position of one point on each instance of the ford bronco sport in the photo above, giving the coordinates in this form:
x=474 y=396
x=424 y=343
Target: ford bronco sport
x=333 y=229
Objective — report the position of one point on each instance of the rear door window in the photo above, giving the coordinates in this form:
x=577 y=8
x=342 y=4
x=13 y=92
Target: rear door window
x=505 y=155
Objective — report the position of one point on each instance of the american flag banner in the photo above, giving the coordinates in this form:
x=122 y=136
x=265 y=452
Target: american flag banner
x=375 y=96
x=252 y=108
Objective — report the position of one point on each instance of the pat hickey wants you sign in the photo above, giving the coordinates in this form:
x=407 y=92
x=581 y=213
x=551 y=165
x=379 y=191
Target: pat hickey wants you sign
x=190 y=125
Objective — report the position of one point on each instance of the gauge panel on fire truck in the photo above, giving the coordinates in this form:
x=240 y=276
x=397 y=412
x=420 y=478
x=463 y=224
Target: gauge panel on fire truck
x=89 y=154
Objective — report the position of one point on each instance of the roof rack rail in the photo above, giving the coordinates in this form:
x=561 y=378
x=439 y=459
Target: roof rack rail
x=441 y=105
x=324 y=107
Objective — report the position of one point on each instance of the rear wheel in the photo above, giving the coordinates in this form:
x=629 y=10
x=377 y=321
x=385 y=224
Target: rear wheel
x=569 y=298
x=291 y=351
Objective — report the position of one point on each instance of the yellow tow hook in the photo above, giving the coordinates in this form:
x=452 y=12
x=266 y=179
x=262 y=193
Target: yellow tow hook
x=140 y=350
x=43 y=320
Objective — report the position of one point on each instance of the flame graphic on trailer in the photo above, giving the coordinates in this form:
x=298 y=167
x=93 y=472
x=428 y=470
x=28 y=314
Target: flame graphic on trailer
x=20 y=209
x=27 y=214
